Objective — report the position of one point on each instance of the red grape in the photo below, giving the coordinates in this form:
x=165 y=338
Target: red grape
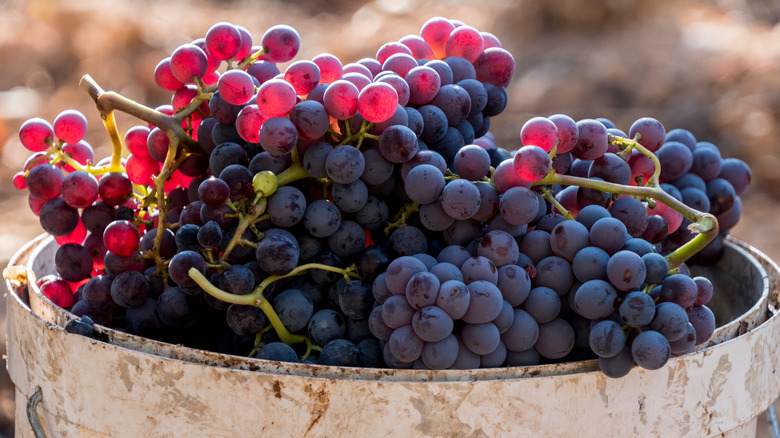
x=341 y=99
x=223 y=41
x=330 y=67
x=70 y=126
x=236 y=87
x=377 y=102
x=36 y=134
x=539 y=131
x=188 y=61
x=276 y=98
x=121 y=238
x=303 y=75
x=435 y=32
x=280 y=43
x=466 y=42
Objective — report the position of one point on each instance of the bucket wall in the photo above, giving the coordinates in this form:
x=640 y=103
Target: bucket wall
x=92 y=388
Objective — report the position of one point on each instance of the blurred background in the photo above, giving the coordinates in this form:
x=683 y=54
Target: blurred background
x=712 y=67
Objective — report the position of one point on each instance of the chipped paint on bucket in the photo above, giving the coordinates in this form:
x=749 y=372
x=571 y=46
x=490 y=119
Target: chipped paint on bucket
x=130 y=386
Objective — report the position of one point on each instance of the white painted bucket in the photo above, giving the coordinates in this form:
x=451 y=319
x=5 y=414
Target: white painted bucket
x=134 y=387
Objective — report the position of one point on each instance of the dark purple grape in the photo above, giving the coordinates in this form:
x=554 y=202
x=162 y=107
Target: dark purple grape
x=650 y=350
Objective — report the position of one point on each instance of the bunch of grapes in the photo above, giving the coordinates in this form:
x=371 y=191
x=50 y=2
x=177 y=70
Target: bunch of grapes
x=361 y=214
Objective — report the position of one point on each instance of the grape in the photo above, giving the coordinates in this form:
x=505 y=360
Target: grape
x=595 y=299
x=278 y=351
x=405 y=345
x=321 y=218
x=480 y=338
x=518 y=206
x=344 y=164
x=567 y=133
x=286 y=207
x=676 y=159
x=97 y=294
x=472 y=163
x=499 y=247
x=541 y=132
x=606 y=338
x=45 y=181
x=618 y=365
x=479 y=268
x=610 y=168
x=590 y=263
x=280 y=43
x=326 y=325
x=679 y=289
x=532 y=163
x=651 y=131
x=685 y=344
x=340 y=352
x=626 y=270
x=210 y=235
x=409 y=240
x=434 y=123
x=436 y=32
x=650 y=350
x=556 y=339
x=432 y=324
x=568 y=238
x=555 y=273
x=399 y=63
x=591 y=141
x=460 y=199
x=495 y=66
x=350 y=197
x=377 y=169
x=454 y=298
x=278 y=136
x=637 y=309
x=514 y=284
x=721 y=195
x=454 y=101
x=683 y=136
x=704 y=290
x=670 y=320
x=223 y=41
x=303 y=75
x=294 y=308
x=236 y=87
x=736 y=172
x=543 y=304
x=188 y=61
x=441 y=354
x=536 y=245
x=73 y=262
x=632 y=213
x=398 y=144
x=70 y=126
x=114 y=188
x=277 y=253
x=656 y=268
x=424 y=83
x=703 y=321
x=348 y=240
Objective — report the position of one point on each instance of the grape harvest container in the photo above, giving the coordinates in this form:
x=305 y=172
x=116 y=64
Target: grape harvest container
x=125 y=385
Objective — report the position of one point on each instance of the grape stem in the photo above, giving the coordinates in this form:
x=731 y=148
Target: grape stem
x=402 y=216
x=703 y=223
x=244 y=222
x=628 y=144
x=547 y=194
x=257 y=299
x=108 y=101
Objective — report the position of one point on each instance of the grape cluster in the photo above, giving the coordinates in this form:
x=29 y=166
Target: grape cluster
x=361 y=214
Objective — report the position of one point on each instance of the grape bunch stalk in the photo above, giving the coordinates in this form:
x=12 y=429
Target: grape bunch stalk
x=362 y=214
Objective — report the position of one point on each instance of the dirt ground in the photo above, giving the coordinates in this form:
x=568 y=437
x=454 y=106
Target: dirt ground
x=710 y=67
